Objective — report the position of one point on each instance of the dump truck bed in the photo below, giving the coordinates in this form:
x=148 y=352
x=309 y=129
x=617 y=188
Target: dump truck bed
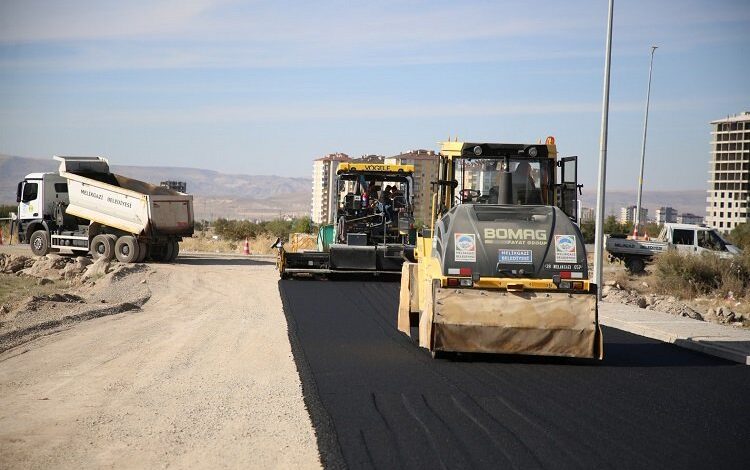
x=124 y=203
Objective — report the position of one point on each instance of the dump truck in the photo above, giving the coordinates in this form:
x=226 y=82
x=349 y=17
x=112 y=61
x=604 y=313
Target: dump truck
x=373 y=225
x=502 y=268
x=87 y=209
x=684 y=238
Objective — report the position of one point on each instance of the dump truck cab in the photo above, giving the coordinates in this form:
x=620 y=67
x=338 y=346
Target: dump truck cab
x=36 y=196
x=371 y=224
x=503 y=268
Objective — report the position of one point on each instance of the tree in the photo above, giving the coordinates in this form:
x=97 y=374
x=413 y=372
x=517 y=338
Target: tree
x=278 y=228
x=740 y=236
x=588 y=231
x=302 y=225
x=611 y=225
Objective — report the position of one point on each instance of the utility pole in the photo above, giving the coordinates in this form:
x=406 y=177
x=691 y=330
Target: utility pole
x=598 y=255
x=636 y=229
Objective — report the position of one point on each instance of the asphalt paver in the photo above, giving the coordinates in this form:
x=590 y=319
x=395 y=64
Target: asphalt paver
x=379 y=401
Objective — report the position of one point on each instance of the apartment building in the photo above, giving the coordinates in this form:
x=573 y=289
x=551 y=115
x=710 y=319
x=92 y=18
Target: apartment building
x=323 y=182
x=729 y=173
x=586 y=214
x=627 y=214
x=665 y=215
x=425 y=170
x=688 y=218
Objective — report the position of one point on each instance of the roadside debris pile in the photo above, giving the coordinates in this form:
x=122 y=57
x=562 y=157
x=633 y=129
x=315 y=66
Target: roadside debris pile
x=10 y=264
x=615 y=292
x=36 y=300
x=45 y=293
x=54 y=267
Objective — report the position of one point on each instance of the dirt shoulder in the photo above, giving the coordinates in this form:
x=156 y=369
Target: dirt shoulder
x=639 y=290
x=200 y=376
x=42 y=295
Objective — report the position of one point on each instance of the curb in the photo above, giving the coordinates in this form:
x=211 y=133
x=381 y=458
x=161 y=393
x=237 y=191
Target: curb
x=659 y=329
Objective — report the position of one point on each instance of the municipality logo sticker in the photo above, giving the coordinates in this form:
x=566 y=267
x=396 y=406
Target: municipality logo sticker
x=465 y=247
x=565 y=249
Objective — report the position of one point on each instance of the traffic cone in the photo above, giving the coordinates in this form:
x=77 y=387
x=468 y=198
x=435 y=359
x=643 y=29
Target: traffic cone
x=246 y=248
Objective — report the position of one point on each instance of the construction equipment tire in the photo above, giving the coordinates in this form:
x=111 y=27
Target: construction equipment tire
x=635 y=265
x=127 y=249
x=175 y=250
x=142 y=252
x=102 y=247
x=39 y=243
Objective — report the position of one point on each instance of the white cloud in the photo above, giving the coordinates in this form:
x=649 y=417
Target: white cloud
x=284 y=21
x=217 y=115
x=178 y=34
x=66 y=20
x=205 y=33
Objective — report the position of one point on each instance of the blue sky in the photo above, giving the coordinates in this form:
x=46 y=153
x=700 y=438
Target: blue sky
x=266 y=87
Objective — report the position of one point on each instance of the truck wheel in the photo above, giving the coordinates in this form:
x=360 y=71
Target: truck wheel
x=168 y=252
x=156 y=252
x=102 y=246
x=142 y=252
x=635 y=265
x=39 y=243
x=126 y=249
x=175 y=250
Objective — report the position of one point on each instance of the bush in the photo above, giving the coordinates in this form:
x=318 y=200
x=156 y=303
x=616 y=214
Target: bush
x=237 y=230
x=5 y=210
x=685 y=275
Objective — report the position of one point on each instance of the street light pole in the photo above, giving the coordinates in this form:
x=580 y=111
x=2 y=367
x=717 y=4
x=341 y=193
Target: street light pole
x=637 y=227
x=603 y=160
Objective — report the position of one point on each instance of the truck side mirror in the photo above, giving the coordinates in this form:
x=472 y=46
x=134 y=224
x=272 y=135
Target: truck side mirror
x=18 y=191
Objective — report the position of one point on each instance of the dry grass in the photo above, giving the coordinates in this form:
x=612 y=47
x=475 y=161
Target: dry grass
x=13 y=288
x=688 y=276
x=622 y=278
x=260 y=245
x=6 y=234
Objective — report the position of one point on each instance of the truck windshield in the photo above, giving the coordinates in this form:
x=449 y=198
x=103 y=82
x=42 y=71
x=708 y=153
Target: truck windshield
x=480 y=180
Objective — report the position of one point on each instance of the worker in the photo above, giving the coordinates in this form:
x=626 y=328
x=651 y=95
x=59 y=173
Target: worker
x=383 y=204
x=524 y=187
x=365 y=197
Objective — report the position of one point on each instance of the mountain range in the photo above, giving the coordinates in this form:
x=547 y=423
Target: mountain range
x=270 y=196
x=215 y=194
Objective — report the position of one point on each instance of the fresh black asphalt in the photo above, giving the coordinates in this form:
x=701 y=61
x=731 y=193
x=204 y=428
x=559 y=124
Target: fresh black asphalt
x=379 y=401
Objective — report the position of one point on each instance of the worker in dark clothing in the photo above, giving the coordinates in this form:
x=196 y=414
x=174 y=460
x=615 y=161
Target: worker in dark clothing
x=524 y=187
x=386 y=199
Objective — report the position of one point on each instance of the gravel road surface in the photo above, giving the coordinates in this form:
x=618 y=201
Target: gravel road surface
x=202 y=377
x=378 y=401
